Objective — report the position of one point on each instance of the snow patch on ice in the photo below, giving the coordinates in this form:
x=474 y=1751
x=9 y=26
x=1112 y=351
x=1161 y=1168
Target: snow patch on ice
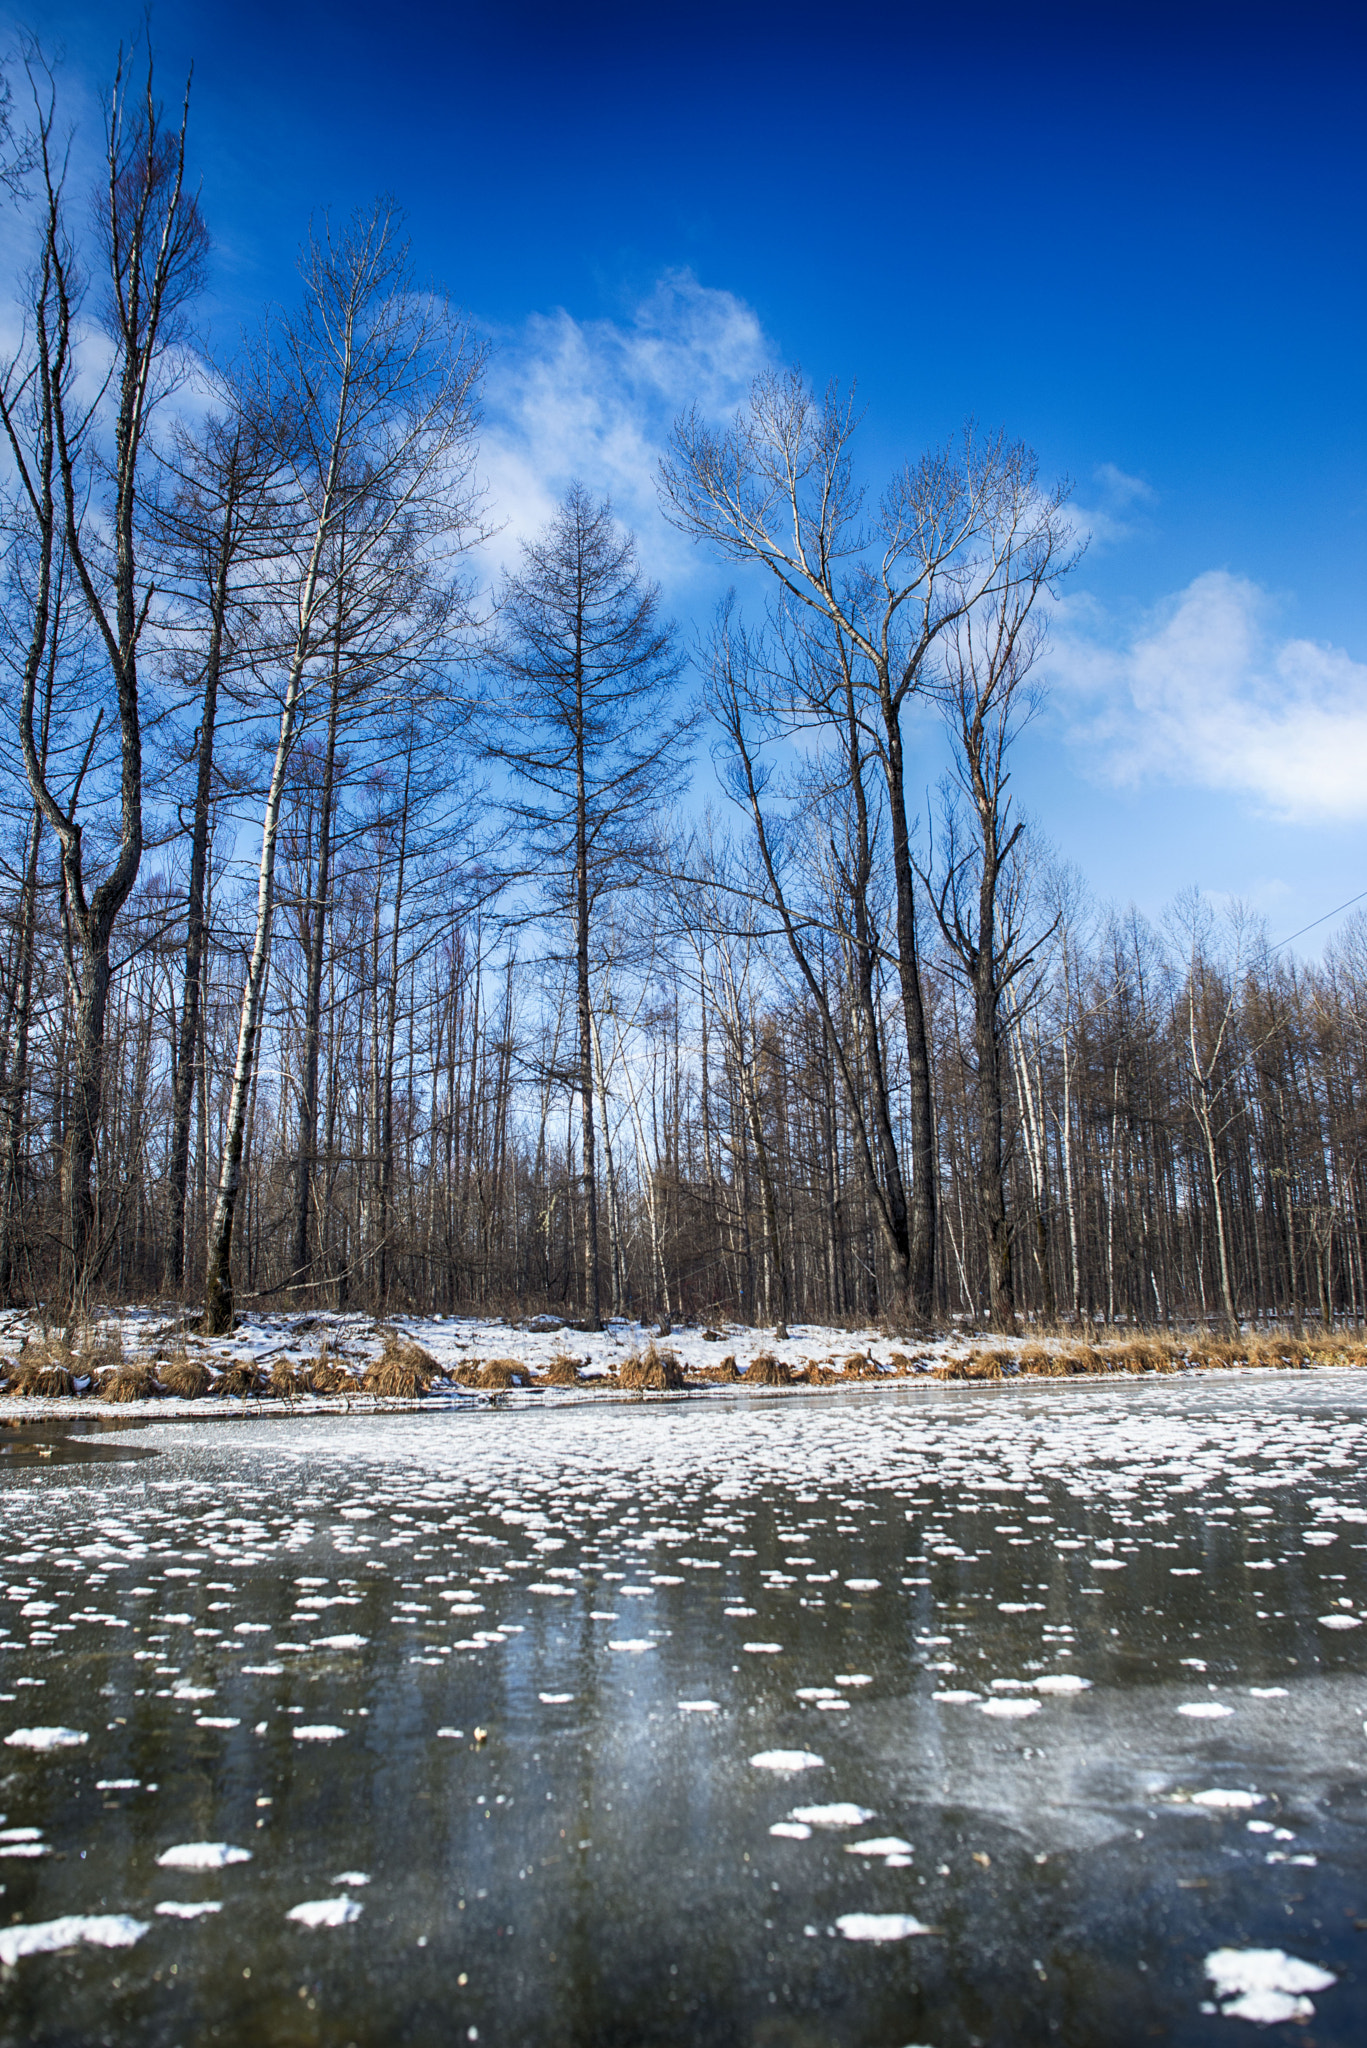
x=202 y=1856
x=1264 y=1984
x=879 y=1926
x=46 y=1738
x=326 y=1912
x=45 y=1937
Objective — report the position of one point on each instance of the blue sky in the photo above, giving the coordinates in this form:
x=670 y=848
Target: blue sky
x=1131 y=235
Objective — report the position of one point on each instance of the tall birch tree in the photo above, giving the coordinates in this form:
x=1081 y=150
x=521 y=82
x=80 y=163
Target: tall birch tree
x=373 y=388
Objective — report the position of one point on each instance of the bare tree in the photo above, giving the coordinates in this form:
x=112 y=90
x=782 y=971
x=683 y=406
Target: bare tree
x=586 y=667
x=215 y=529
x=777 y=489
x=988 y=694
x=373 y=390
x=152 y=243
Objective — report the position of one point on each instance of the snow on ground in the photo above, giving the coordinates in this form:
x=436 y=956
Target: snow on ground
x=456 y=1342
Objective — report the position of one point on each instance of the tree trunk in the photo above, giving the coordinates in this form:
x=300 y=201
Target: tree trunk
x=183 y=1092
x=218 y=1282
x=921 y=1260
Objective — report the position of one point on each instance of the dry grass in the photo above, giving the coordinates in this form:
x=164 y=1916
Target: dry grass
x=326 y=1376
x=979 y=1365
x=814 y=1375
x=134 y=1382
x=241 y=1378
x=288 y=1380
x=186 y=1378
x=41 y=1379
x=651 y=1371
x=722 y=1374
x=101 y=1348
x=768 y=1371
x=563 y=1371
x=1039 y=1363
x=402 y=1350
x=859 y=1366
x=396 y=1376
x=496 y=1375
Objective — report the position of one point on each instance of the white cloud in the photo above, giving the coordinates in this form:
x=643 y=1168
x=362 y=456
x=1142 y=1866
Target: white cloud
x=1205 y=693
x=1116 y=507
x=596 y=399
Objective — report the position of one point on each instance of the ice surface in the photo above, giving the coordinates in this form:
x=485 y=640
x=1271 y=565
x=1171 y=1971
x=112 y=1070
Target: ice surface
x=787 y=1760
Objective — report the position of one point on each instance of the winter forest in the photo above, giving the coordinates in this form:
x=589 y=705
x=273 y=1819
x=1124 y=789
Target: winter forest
x=380 y=931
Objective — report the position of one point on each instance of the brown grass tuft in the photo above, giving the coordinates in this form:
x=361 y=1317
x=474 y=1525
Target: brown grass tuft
x=859 y=1366
x=651 y=1371
x=722 y=1374
x=402 y=1350
x=129 y=1383
x=768 y=1371
x=241 y=1377
x=326 y=1376
x=101 y=1348
x=186 y=1378
x=563 y=1371
x=396 y=1377
x=901 y=1363
x=496 y=1375
x=1039 y=1363
x=42 y=1380
x=288 y=1380
x=817 y=1376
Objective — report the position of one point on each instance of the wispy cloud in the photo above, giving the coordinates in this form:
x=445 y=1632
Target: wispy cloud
x=1115 y=506
x=1206 y=693
x=596 y=399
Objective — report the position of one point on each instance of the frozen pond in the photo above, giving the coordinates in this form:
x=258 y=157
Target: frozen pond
x=924 y=1714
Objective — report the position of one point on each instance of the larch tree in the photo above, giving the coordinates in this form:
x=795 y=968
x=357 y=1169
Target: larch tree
x=80 y=474
x=777 y=490
x=582 y=716
x=987 y=694
x=372 y=386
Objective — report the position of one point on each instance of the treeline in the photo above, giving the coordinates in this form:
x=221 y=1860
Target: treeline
x=360 y=948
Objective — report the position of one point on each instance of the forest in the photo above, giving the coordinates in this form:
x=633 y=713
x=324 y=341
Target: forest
x=376 y=931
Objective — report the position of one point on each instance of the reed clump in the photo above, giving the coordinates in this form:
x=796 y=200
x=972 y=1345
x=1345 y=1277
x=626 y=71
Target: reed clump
x=100 y=1350
x=396 y=1377
x=563 y=1371
x=723 y=1374
x=651 y=1371
x=859 y=1366
x=768 y=1371
x=241 y=1379
x=497 y=1375
x=327 y=1375
x=131 y=1382
x=186 y=1378
x=289 y=1380
x=41 y=1380
x=400 y=1349
x=1036 y=1361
